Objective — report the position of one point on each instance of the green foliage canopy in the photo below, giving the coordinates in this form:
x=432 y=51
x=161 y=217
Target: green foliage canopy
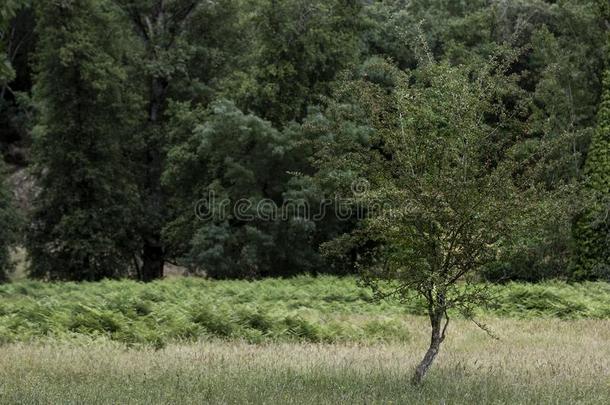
x=238 y=167
x=80 y=226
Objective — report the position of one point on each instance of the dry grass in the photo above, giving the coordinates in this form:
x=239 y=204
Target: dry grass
x=547 y=361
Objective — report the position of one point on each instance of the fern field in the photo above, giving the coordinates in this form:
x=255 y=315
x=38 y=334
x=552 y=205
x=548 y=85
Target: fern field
x=302 y=309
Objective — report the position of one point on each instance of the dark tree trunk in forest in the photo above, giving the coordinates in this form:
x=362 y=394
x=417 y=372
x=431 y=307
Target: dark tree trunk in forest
x=153 y=260
x=153 y=252
x=438 y=335
x=158 y=30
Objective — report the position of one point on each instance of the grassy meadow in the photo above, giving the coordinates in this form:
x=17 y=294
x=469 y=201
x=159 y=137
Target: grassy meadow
x=301 y=340
x=536 y=362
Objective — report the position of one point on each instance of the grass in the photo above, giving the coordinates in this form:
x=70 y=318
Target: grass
x=548 y=361
x=303 y=309
x=302 y=340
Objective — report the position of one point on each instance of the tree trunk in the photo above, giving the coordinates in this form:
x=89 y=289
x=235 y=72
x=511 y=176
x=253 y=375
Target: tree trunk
x=158 y=31
x=153 y=253
x=437 y=338
x=152 y=260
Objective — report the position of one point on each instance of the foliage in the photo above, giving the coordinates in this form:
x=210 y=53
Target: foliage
x=80 y=227
x=170 y=62
x=8 y=10
x=593 y=227
x=286 y=62
x=307 y=309
x=235 y=169
x=16 y=44
x=298 y=48
x=551 y=105
x=9 y=226
x=440 y=202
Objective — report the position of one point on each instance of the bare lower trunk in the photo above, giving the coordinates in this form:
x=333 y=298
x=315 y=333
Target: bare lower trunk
x=152 y=261
x=153 y=252
x=437 y=338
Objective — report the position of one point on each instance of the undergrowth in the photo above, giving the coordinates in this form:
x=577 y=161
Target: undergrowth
x=322 y=309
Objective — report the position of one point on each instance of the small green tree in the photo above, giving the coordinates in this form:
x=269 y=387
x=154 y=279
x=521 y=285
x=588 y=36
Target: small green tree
x=439 y=204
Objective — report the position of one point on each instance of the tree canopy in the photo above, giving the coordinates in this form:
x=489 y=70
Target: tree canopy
x=128 y=113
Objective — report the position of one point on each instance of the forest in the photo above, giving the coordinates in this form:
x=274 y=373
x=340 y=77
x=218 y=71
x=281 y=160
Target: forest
x=304 y=172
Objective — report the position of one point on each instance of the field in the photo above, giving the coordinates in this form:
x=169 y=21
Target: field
x=303 y=340
x=541 y=362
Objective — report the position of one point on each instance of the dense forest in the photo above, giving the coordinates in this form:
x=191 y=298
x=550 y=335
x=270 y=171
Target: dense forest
x=141 y=133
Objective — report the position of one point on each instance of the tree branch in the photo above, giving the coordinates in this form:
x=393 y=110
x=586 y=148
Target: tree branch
x=443 y=334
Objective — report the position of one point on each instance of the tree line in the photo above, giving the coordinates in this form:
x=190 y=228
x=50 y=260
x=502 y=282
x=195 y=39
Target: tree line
x=129 y=112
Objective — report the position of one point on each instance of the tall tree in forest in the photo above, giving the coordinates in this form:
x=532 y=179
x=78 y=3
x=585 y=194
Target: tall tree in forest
x=160 y=27
x=83 y=212
x=593 y=227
